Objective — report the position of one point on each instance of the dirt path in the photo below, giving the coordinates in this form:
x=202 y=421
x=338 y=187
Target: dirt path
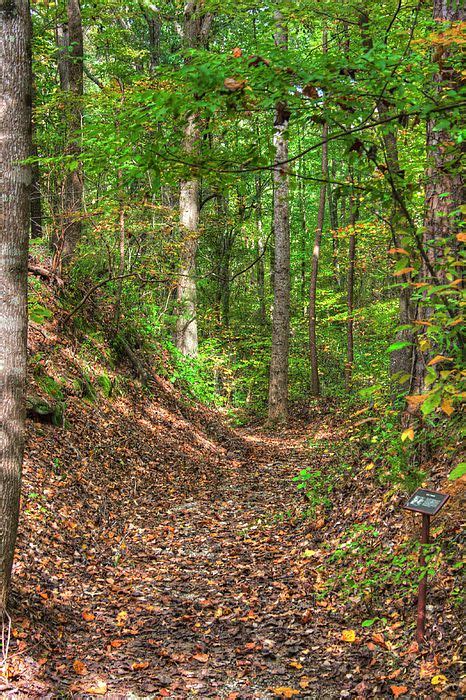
x=162 y=556
x=146 y=571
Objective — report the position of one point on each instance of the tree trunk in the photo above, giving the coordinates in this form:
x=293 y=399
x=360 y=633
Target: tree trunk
x=36 y=197
x=15 y=146
x=278 y=386
x=444 y=190
x=186 y=326
x=350 y=297
x=260 y=254
x=195 y=32
x=70 y=68
x=333 y=217
x=315 y=384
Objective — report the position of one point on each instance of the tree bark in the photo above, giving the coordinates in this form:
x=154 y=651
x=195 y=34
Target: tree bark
x=186 y=326
x=278 y=385
x=195 y=33
x=350 y=297
x=315 y=383
x=70 y=69
x=15 y=147
x=444 y=189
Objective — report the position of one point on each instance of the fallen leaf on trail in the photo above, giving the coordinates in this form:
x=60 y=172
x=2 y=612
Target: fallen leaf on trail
x=117 y=643
x=296 y=664
x=408 y=433
x=439 y=679
x=88 y=616
x=79 y=667
x=447 y=406
x=348 y=636
x=285 y=691
x=378 y=639
x=121 y=618
x=233 y=84
x=202 y=658
x=237 y=52
x=308 y=553
x=398 y=690
x=97 y=688
x=139 y=665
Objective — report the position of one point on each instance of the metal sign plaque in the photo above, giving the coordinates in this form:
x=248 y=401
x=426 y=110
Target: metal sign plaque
x=426 y=502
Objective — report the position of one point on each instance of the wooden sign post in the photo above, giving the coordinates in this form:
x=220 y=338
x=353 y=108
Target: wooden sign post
x=427 y=503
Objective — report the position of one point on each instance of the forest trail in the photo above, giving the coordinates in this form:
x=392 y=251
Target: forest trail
x=184 y=577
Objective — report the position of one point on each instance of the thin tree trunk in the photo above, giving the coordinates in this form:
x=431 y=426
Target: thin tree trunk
x=350 y=297
x=315 y=384
x=15 y=147
x=36 y=196
x=333 y=216
x=278 y=386
x=70 y=68
x=122 y=245
x=260 y=254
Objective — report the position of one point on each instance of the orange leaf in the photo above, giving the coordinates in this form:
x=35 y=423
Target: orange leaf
x=117 y=643
x=139 y=665
x=398 y=690
x=415 y=400
x=404 y=271
x=447 y=407
x=237 y=53
x=439 y=358
x=461 y=237
x=88 y=616
x=348 y=636
x=202 y=658
x=79 y=667
x=398 y=250
x=285 y=691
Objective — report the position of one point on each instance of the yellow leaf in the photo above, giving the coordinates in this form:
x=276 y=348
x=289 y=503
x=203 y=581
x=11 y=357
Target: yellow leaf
x=370 y=466
x=439 y=358
x=348 y=636
x=97 y=688
x=408 y=433
x=439 y=679
x=121 y=618
x=285 y=691
x=296 y=664
x=447 y=406
x=308 y=553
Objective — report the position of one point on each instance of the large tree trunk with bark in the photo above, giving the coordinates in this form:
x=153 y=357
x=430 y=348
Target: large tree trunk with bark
x=15 y=146
x=315 y=383
x=278 y=385
x=70 y=69
x=444 y=189
x=195 y=33
x=186 y=326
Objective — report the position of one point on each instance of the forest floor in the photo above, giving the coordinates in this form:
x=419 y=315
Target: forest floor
x=164 y=554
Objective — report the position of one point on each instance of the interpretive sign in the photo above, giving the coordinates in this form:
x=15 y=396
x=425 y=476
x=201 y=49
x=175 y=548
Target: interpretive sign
x=426 y=502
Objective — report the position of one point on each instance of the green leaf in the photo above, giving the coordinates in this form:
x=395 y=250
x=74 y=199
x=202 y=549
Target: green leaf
x=458 y=471
x=398 y=345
